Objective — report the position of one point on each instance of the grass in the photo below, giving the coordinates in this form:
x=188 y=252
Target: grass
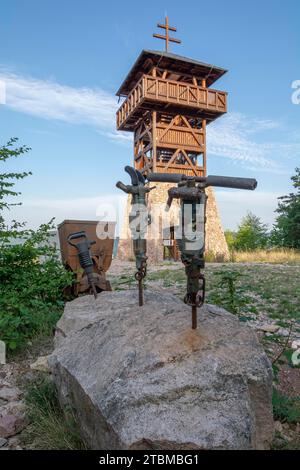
x=264 y=288
x=50 y=427
x=286 y=409
x=277 y=256
x=168 y=277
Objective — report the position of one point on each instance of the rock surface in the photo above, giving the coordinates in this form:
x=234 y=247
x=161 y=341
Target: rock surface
x=12 y=411
x=140 y=378
x=3 y=441
x=11 y=423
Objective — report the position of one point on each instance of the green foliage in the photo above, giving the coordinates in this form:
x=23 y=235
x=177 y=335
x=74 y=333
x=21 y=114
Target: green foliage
x=252 y=234
x=7 y=180
x=31 y=275
x=50 y=428
x=285 y=409
x=227 y=293
x=32 y=279
x=230 y=237
x=286 y=230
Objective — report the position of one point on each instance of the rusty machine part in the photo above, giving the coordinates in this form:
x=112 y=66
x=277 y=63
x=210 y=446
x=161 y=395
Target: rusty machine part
x=85 y=258
x=191 y=243
x=100 y=253
x=191 y=232
x=138 y=221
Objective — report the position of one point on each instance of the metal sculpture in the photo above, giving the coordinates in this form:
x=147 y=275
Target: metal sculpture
x=138 y=221
x=191 y=231
x=84 y=255
x=101 y=253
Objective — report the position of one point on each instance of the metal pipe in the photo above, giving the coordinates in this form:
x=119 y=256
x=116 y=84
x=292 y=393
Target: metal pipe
x=211 y=180
x=194 y=317
x=141 y=296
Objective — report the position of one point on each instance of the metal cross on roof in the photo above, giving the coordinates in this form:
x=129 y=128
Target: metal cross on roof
x=167 y=38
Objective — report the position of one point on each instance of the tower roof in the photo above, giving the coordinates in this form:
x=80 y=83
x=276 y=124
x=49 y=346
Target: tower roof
x=173 y=62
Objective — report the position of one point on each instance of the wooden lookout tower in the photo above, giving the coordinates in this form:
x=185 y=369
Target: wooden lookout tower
x=168 y=103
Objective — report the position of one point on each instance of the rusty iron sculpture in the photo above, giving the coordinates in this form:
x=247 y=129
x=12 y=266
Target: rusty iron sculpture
x=85 y=258
x=89 y=260
x=191 y=231
x=138 y=221
x=192 y=225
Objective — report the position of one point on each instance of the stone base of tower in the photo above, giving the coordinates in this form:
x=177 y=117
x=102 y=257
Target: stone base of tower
x=215 y=242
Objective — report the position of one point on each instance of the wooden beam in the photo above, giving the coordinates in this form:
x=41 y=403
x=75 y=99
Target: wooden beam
x=154 y=139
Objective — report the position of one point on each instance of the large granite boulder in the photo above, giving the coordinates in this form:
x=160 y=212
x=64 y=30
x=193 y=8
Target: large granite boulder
x=141 y=378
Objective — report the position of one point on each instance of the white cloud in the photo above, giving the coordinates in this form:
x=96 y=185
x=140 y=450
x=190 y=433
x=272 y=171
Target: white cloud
x=2 y=92
x=243 y=140
x=233 y=137
x=50 y=100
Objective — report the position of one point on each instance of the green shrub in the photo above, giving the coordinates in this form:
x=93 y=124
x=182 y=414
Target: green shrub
x=252 y=234
x=286 y=409
x=228 y=292
x=32 y=279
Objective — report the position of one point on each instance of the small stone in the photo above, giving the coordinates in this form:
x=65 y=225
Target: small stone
x=13 y=408
x=10 y=393
x=41 y=364
x=296 y=344
x=11 y=424
x=287 y=437
x=2 y=441
x=14 y=442
x=283 y=332
x=268 y=328
x=278 y=426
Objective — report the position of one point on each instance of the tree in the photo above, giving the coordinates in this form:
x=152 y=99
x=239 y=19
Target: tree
x=230 y=237
x=7 y=182
x=252 y=234
x=286 y=231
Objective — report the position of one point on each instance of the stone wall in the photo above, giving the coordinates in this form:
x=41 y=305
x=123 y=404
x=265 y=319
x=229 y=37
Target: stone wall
x=215 y=239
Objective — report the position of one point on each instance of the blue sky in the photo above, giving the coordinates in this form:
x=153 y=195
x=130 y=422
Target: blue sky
x=62 y=61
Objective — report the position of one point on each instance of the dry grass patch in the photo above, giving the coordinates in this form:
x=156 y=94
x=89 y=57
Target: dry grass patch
x=277 y=256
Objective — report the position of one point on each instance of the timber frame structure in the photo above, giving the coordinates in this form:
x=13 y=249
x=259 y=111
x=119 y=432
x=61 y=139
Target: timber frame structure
x=168 y=104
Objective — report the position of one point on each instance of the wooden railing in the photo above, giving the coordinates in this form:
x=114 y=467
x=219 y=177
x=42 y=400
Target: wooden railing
x=190 y=139
x=182 y=169
x=131 y=102
x=154 y=89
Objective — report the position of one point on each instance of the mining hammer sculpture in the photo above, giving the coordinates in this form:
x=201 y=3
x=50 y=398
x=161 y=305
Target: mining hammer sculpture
x=138 y=221
x=191 y=229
